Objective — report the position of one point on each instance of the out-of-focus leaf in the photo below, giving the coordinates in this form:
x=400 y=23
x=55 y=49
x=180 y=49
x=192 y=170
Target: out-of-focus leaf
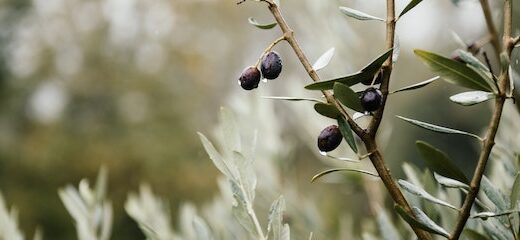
x=217 y=159
x=420 y=220
x=473 y=235
x=253 y=22
x=347 y=97
x=453 y=71
x=275 y=223
x=386 y=226
x=326 y=172
x=458 y=40
x=397 y=49
x=358 y=14
x=514 y=77
x=327 y=110
x=201 y=229
x=515 y=192
x=415 y=190
x=230 y=130
x=277 y=2
x=344 y=159
x=471 y=98
x=495 y=195
x=409 y=7
x=286 y=232
x=496 y=230
x=246 y=175
x=439 y=162
x=486 y=215
x=240 y=210
x=367 y=72
x=417 y=85
x=293 y=99
x=323 y=60
x=347 y=134
x=448 y=182
x=438 y=129
x=471 y=60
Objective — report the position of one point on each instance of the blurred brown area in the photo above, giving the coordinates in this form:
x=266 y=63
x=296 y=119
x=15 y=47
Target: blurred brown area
x=127 y=83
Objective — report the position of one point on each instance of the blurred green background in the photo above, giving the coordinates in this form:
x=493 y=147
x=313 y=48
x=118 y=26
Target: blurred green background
x=127 y=83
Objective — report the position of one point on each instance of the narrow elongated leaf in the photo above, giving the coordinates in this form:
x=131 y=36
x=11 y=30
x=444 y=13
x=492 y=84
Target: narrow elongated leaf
x=386 y=227
x=471 y=60
x=471 y=98
x=293 y=99
x=358 y=14
x=438 y=129
x=415 y=190
x=449 y=183
x=397 y=49
x=343 y=159
x=409 y=7
x=417 y=85
x=367 y=73
x=486 y=215
x=324 y=60
x=327 y=110
x=473 y=235
x=453 y=71
x=217 y=159
x=326 y=172
x=347 y=134
x=494 y=194
x=439 y=162
x=420 y=220
x=347 y=97
x=515 y=192
x=253 y=22
x=275 y=223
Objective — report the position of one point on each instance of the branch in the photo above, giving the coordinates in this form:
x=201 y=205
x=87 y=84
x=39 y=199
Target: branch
x=493 y=34
x=489 y=142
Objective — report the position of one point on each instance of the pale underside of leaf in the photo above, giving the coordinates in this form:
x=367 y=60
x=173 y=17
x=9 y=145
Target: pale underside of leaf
x=415 y=190
x=417 y=85
x=293 y=99
x=358 y=14
x=436 y=128
x=471 y=98
x=326 y=172
x=264 y=26
x=323 y=60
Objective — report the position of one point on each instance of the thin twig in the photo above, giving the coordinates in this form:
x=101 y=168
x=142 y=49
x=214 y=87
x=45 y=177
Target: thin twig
x=489 y=142
x=488 y=63
x=268 y=49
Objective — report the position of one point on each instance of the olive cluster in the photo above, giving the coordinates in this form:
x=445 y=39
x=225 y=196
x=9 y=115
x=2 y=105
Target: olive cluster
x=270 y=68
x=371 y=100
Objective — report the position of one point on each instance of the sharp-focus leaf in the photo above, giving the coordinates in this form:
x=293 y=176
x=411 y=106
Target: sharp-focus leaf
x=417 y=85
x=448 y=182
x=420 y=220
x=275 y=223
x=515 y=192
x=326 y=172
x=473 y=235
x=367 y=73
x=253 y=22
x=409 y=7
x=293 y=99
x=347 y=97
x=486 y=215
x=347 y=134
x=439 y=162
x=471 y=98
x=415 y=190
x=471 y=60
x=436 y=128
x=386 y=227
x=453 y=71
x=358 y=14
x=327 y=110
x=324 y=60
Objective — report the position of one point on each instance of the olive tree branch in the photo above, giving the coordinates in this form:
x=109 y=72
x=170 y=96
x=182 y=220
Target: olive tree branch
x=489 y=142
x=493 y=34
x=368 y=137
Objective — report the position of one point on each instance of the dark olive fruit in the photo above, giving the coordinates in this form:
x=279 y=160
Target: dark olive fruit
x=378 y=80
x=371 y=99
x=250 y=78
x=329 y=138
x=271 y=65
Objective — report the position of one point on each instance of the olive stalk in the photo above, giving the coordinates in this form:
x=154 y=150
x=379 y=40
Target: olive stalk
x=368 y=136
x=489 y=142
